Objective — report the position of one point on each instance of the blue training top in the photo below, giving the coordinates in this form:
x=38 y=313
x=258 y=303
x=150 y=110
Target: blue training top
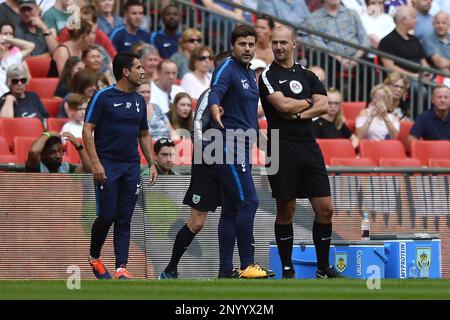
x=118 y=117
x=234 y=89
x=123 y=41
x=166 y=45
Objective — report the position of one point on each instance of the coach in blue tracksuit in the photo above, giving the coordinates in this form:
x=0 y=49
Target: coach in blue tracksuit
x=233 y=100
x=118 y=117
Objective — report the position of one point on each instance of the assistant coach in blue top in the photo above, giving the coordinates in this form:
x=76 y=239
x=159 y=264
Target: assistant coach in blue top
x=234 y=91
x=117 y=116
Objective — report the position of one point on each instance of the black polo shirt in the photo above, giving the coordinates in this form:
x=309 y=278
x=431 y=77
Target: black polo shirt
x=325 y=129
x=410 y=49
x=297 y=83
x=37 y=38
x=430 y=127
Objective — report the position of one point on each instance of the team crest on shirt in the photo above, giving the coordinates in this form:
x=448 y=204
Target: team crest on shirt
x=296 y=87
x=196 y=198
x=128 y=106
x=245 y=84
x=137 y=106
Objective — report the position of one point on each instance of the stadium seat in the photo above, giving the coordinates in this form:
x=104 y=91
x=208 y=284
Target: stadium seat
x=405 y=127
x=183 y=152
x=8 y=158
x=52 y=105
x=426 y=150
x=352 y=109
x=72 y=153
x=353 y=162
x=39 y=65
x=350 y=125
x=44 y=87
x=395 y=162
x=4 y=148
x=24 y=127
x=21 y=147
x=381 y=149
x=56 y=124
x=439 y=163
x=340 y=148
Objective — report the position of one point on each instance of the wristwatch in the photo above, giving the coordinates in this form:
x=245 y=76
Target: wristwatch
x=46 y=34
x=79 y=147
x=151 y=163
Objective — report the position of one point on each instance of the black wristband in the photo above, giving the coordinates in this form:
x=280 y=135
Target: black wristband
x=311 y=103
x=80 y=147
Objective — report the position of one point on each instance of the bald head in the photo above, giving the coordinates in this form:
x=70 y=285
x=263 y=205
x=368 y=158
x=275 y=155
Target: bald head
x=405 y=18
x=283 y=45
x=284 y=31
x=441 y=24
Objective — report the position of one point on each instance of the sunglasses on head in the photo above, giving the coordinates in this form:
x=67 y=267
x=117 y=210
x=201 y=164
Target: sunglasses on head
x=165 y=140
x=193 y=40
x=203 y=58
x=16 y=81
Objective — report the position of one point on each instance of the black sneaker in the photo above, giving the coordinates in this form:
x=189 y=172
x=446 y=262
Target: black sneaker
x=233 y=275
x=328 y=273
x=168 y=275
x=288 y=273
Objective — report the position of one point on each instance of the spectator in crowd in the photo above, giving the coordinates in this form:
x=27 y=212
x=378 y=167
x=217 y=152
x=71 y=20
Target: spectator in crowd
x=45 y=155
x=72 y=66
x=18 y=103
x=84 y=82
x=190 y=39
x=377 y=23
x=437 y=44
x=32 y=28
x=79 y=40
x=158 y=123
x=150 y=60
x=92 y=59
x=391 y=6
x=105 y=45
x=319 y=72
x=224 y=9
x=9 y=12
x=123 y=37
x=332 y=125
x=199 y=79
x=166 y=41
x=258 y=66
x=7 y=59
x=164 y=88
x=424 y=20
x=107 y=21
x=138 y=46
x=180 y=114
x=314 y=5
x=335 y=19
x=399 y=85
x=76 y=108
x=433 y=124
x=377 y=122
x=404 y=45
x=359 y=6
x=58 y=15
x=165 y=153
x=293 y=11
x=263 y=26
x=15 y=46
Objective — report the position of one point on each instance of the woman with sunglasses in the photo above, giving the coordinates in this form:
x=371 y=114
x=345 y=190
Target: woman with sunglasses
x=190 y=39
x=199 y=79
x=18 y=103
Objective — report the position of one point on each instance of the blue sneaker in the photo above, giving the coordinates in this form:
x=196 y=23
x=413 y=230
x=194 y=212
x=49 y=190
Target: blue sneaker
x=99 y=269
x=168 y=275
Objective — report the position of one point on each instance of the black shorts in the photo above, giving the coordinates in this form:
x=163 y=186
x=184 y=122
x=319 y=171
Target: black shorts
x=203 y=193
x=301 y=173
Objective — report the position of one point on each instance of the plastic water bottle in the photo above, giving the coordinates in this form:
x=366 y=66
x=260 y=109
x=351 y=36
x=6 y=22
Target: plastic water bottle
x=412 y=272
x=424 y=272
x=365 y=227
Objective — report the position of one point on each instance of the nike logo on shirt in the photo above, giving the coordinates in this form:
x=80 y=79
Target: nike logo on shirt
x=165 y=45
x=282 y=81
x=117 y=104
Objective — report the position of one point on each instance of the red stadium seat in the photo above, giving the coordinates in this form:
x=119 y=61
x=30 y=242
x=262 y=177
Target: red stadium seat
x=8 y=158
x=443 y=163
x=381 y=149
x=52 y=105
x=21 y=147
x=352 y=162
x=39 y=65
x=72 y=153
x=426 y=150
x=44 y=87
x=405 y=127
x=24 y=127
x=406 y=162
x=56 y=124
x=350 y=125
x=4 y=147
x=352 y=109
x=341 y=148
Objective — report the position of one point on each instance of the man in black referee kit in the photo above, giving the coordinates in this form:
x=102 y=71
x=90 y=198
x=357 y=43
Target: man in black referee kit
x=291 y=96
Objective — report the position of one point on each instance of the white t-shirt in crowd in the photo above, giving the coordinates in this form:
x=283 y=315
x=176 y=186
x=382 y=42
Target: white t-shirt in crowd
x=161 y=98
x=74 y=128
x=378 y=129
x=193 y=86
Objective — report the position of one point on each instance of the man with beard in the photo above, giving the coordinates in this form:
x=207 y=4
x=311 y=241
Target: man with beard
x=45 y=155
x=166 y=41
x=118 y=117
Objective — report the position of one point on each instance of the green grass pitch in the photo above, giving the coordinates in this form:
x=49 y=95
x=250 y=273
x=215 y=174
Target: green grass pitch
x=226 y=289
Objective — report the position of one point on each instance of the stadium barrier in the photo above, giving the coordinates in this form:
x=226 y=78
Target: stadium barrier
x=46 y=219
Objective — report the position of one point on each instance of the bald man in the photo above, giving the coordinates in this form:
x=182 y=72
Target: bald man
x=291 y=96
x=404 y=45
x=437 y=44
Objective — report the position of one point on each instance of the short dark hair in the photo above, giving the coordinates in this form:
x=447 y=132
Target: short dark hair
x=170 y=5
x=132 y=3
x=83 y=79
x=269 y=20
x=50 y=143
x=163 y=142
x=123 y=60
x=242 y=30
x=89 y=9
x=7 y=23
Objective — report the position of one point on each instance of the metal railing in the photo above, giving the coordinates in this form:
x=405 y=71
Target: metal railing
x=354 y=83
